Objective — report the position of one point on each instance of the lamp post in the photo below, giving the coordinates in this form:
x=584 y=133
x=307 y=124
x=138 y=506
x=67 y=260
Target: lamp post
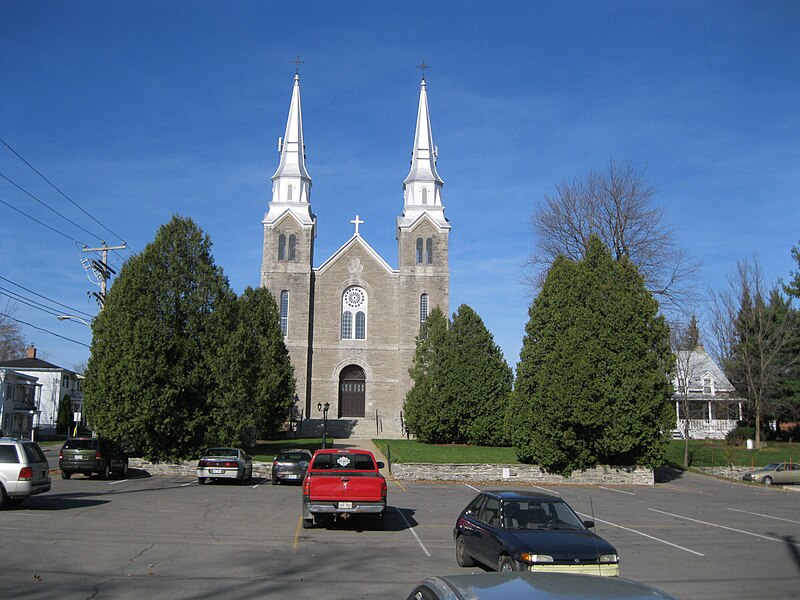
x=324 y=408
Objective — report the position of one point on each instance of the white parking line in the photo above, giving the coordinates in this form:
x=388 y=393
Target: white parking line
x=618 y=491
x=758 y=535
x=472 y=487
x=747 y=512
x=190 y=483
x=117 y=481
x=642 y=534
x=419 y=541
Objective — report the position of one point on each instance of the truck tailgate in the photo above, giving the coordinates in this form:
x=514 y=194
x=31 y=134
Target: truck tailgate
x=346 y=486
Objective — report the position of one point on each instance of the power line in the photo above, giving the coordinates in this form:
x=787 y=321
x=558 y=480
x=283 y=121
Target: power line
x=35 y=220
x=56 y=188
x=72 y=310
x=63 y=337
x=50 y=208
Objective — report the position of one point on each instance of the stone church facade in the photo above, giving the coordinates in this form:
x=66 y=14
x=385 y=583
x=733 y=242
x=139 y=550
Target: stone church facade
x=350 y=324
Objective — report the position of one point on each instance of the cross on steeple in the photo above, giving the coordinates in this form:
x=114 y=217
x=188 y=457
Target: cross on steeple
x=423 y=66
x=297 y=62
x=357 y=221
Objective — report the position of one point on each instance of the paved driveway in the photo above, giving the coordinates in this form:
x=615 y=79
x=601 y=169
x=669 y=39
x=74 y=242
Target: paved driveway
x=167 y=537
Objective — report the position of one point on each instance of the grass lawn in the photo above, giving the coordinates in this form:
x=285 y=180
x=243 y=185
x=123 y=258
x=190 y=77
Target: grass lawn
x=714 y=453
x=702 y=453
x=412 y=451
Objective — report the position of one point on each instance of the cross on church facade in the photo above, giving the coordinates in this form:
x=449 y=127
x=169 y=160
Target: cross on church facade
x=297 y=62
x=357 y=221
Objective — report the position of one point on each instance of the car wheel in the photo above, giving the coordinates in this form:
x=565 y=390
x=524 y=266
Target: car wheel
x=506 y=564
x=124 y=473
x=378 y=522
x=275 y=480
x=462 y=555
x=65 y=474
x=106 y=471
x=201 y=480
x=3 y=497
x=308 y=523
x=767 y=480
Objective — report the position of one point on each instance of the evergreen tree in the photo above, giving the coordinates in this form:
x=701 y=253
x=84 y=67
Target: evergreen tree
x=148 y=378
x=479 y=381
x=254 y=376
x=64 y=418
x=428 y=412
x=593 y=379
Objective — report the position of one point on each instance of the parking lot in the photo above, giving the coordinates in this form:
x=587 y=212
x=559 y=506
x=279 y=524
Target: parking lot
x=167 y=537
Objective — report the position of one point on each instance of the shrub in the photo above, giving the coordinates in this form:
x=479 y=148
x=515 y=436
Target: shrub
x=737 y=437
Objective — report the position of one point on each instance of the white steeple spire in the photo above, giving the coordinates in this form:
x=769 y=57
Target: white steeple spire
x=291 y=184
x=422 y=188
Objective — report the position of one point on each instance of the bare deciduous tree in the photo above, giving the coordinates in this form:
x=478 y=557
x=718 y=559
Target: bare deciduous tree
x=752 y=336
x=12 y=342
x=617 y=206
x=684 y=340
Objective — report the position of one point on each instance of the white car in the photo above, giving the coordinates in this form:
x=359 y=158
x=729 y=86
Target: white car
x=225 y=463
x=785 y=472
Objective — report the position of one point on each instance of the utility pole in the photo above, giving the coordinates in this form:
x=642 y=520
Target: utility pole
x=102 y=269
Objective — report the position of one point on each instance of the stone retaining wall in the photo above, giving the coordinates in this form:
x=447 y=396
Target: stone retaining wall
x=607 y=475
x=260 y=469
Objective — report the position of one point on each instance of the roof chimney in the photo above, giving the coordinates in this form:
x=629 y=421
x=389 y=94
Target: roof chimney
x=31 y=352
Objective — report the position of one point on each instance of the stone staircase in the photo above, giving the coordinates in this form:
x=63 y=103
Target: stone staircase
x=367 y=428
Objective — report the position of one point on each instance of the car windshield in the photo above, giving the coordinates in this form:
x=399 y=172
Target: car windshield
x=525 y=514
x=226 y=452
x=344 y=462
x=77 y=444
x=770 y=467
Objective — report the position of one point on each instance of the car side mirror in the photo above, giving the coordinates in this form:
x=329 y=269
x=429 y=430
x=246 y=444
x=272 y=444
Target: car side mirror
x=588 y=524
x=380 y=464
x=248 y=457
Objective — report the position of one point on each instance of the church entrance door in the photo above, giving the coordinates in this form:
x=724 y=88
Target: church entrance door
x=352 y=391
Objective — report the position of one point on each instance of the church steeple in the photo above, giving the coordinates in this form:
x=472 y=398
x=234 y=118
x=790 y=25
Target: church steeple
x=291 y=184
x=422 y=188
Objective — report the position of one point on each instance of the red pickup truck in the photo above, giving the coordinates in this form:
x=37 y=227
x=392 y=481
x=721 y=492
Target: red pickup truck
x=342 y=483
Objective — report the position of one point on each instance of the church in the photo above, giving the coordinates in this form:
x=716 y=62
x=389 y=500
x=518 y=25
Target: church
x=350 y=324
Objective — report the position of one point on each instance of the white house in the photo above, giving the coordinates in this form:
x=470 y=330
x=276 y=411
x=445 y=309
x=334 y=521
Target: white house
x=55 y=383
x=713 y=405
x=19 y=403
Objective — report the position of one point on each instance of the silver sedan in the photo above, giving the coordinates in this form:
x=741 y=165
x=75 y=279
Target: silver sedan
x=225 y=463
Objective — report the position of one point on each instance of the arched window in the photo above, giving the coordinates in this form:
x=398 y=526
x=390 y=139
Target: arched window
x=419 y=251
x=347 y=325
x=354 y=309
x=292 y=247
x=429 y=251
x=284 y=308
x=289 y=193
x=424 y=195
x=361 y=325
x=282 y=247
x=423 y=308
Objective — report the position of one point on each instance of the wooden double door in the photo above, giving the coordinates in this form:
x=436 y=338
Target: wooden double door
x=352 y=392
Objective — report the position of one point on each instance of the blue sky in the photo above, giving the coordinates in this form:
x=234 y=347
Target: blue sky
x=141 y=110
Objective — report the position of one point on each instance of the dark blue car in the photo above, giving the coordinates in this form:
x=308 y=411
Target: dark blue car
x=530 y=531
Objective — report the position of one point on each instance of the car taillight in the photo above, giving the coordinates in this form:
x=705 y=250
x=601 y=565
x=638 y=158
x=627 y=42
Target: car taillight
x=61 y=455
x=98 y=455
x=384 y=490
x=229 y=463
x=307 y=485
x=25 y=473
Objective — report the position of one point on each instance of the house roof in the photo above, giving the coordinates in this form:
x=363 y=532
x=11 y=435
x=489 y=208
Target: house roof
x=701 y=364
x=30 y=364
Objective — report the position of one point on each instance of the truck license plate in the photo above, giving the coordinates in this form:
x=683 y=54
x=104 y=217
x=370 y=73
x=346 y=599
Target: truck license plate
x=346 y=505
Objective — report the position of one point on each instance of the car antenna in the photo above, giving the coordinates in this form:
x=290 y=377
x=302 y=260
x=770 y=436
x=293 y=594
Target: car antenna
x=594 y=537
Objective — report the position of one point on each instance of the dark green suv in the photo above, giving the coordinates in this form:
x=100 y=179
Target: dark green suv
x=92 y=455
